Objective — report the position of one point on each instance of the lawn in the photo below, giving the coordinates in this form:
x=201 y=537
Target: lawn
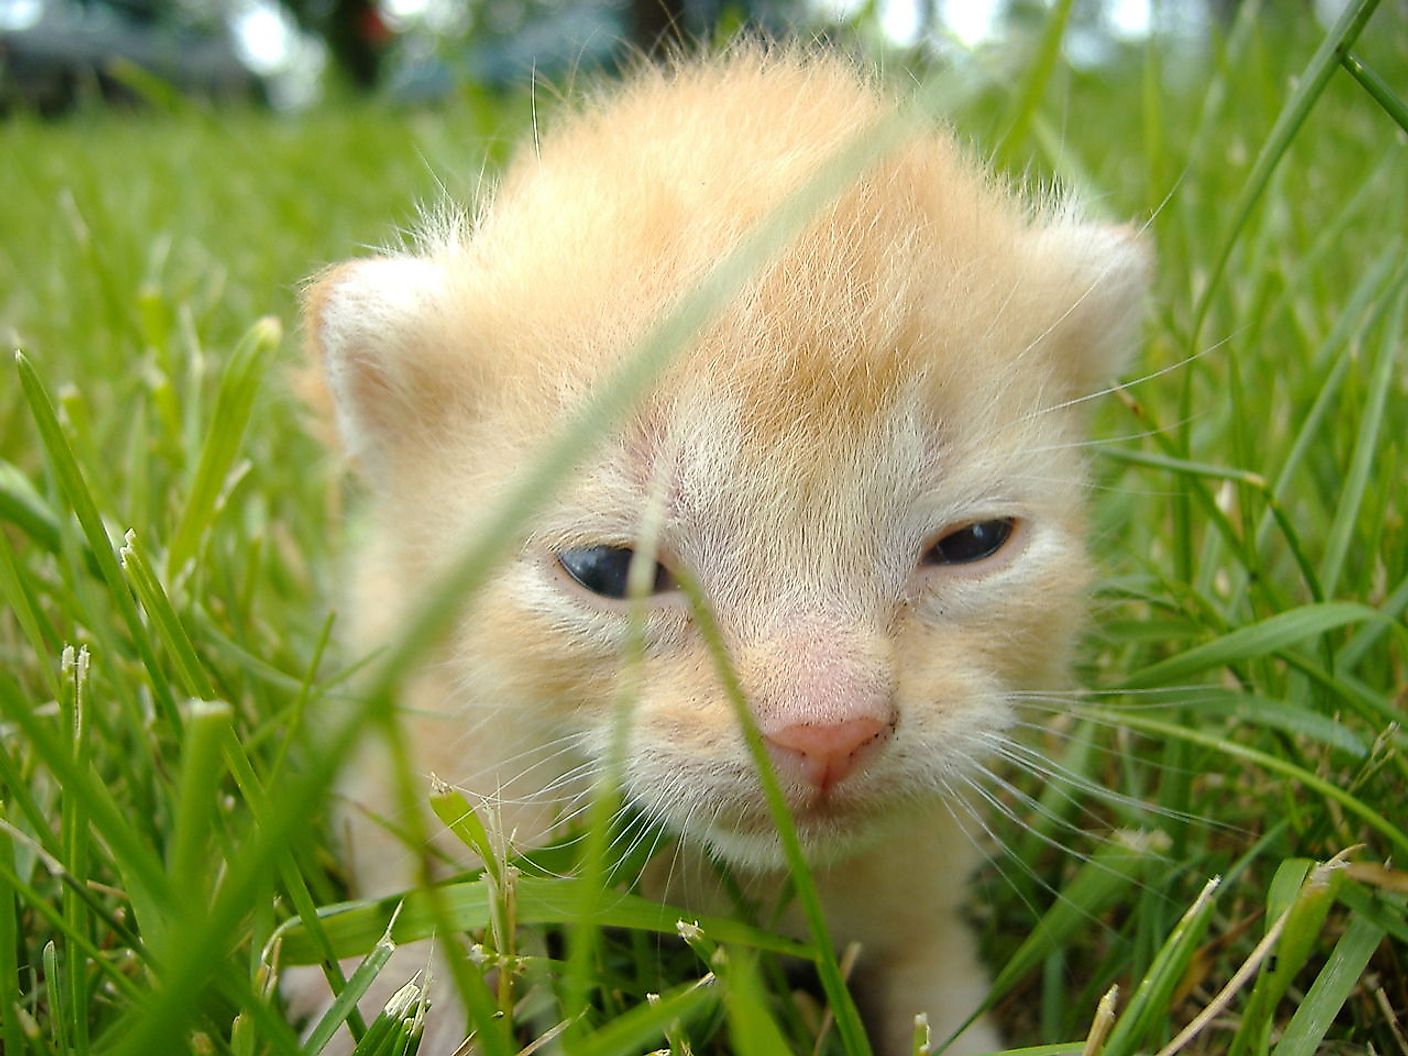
x=170 y=530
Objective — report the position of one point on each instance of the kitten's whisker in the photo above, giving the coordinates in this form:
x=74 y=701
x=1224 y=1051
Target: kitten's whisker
x=1056 y=894
x=1150 y=376
x=1008 y=812
x=1033 y=761
x=951 y=797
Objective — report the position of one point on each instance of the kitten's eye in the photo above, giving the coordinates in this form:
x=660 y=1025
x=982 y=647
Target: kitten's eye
x=971 y=543
x=604 y=570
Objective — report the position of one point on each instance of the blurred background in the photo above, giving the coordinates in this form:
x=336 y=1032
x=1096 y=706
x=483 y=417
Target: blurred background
x=289 y=54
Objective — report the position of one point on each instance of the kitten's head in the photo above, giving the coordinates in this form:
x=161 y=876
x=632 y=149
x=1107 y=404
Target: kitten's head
x=869 y=461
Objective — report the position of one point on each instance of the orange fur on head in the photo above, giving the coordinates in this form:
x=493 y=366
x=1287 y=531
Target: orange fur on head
x=907 y=368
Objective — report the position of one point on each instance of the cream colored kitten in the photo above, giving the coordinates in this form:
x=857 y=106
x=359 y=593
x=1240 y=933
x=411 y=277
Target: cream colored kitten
x=870 y=461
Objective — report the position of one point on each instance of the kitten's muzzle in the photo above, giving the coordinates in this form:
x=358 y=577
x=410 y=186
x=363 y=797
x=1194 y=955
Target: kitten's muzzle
x=824 y=753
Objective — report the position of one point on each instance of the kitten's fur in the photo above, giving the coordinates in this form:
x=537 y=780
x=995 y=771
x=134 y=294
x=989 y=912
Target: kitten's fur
x=910 y=365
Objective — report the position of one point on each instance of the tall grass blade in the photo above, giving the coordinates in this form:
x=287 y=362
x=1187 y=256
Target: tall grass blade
x=1025 y=103
x=346 y=1002
x=1148 y=1006
x=165 y=621
x=81 y=500
x=1377 y=87
x=1306 y=905
x=1271 y=635
x=10 y=945
x=1331 y=989
x=848 y=1024
x=1315 y=783
x=632 y=1033
x=224 y=435
x=1309 y=87
x=1366 y=452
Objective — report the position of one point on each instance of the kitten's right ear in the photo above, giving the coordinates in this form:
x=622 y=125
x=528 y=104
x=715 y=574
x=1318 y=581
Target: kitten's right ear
x=370 y=338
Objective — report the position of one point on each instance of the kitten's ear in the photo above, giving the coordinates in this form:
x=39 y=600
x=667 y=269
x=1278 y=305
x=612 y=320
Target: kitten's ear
x=373 y=349
x=1101 y=275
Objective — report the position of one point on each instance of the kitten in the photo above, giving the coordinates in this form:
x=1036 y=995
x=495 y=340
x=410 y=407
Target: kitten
x=870 y=461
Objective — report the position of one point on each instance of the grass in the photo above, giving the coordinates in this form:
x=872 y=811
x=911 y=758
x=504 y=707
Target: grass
x=168 y=549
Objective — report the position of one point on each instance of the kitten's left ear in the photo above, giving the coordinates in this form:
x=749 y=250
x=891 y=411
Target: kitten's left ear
x=373 y=346
x=1100 y=274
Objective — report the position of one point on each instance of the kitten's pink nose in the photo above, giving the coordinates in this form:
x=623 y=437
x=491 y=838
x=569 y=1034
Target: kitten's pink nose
x=828 y=752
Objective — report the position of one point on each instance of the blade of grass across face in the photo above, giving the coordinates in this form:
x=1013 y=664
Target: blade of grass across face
x=843 y=1007
x=583 y=939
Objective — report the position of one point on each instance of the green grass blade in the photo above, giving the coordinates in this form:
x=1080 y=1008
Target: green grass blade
x=346 y=1002
x=1259 y=639
x=76 y=491
x=74 y=837
x=1331 y=989
x=1028 y=99
x=352 y=928
x=843 y=1007
x=190 y=856
x=165 y=621
x=1309 y=87
x=22 y=506
x=1148 y=1007
x=40 y=633
x=1378 y=88
x=1110 y=873
x=10 y=933
x=752 y=1029
x=1304 y=891
x=1364 y=639
x=224 y=435
x=630 y=1034
x=57 y=992
x=1320 y=786
x=1366 y=451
